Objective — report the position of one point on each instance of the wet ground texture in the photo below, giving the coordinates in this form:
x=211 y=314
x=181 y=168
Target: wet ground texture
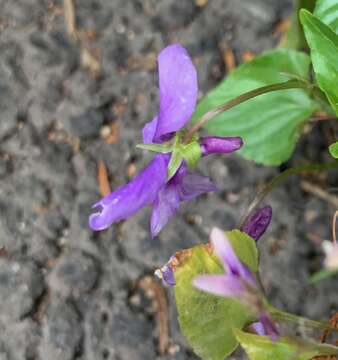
x=68 y=102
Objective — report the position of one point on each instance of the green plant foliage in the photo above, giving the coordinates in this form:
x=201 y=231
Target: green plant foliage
x=294 y=36
x=207 y=320
x=263 y=348
x=327 y=12
x=333 y=149
x=190 y=152
x=322 y=275
x=269 y=124
x=323 y=43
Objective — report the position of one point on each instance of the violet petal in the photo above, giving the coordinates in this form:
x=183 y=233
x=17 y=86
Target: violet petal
x=168 y=276
x=193 y=185
x=258 y=222
x=222 y=285
x=129 y=198
x=178 y=91
x=148 y=131
x=230 y=261
x=218 y=144
x=258 y=328
x=270 y=328
x=165 y=206
x=225 y=251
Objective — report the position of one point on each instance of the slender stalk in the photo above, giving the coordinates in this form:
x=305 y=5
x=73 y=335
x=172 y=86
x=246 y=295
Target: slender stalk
x=280 y=178
x=280 y=315
x=334 y=221
x=291 y=84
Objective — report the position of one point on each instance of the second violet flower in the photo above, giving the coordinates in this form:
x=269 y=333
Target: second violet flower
x=178 y=96
x=238 y=282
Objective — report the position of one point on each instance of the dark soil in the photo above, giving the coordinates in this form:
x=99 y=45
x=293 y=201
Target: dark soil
x=66 y=292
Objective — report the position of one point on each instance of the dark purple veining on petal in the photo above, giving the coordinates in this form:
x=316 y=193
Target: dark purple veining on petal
x=217 y=144
x=129 y=198
x=258 y=222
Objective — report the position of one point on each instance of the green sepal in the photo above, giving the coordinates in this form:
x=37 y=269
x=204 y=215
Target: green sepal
x=333 y=149
x=190 y=152
x=263 y=348
x=160 y=148
x=174 y=163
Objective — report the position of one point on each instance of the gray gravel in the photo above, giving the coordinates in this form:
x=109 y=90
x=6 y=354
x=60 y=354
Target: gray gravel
x=64 y=290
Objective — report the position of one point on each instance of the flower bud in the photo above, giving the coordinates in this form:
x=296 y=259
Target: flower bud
x=217 y=144
x=258 y=222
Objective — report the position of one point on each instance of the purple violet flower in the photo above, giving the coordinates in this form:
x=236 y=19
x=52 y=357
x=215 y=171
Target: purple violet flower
x=258 y=222
x=238 y=281
x=178 y=96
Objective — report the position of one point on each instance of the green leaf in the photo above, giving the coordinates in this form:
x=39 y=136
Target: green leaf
x=207 y=320
x=263 y=348
x=294 y=36
x=323 y=43
x=269 y=124
x=322 y=275
x=327 y=12
x=333 y=149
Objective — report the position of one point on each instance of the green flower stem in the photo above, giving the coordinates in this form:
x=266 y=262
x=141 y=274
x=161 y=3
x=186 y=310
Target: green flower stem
x=280 y=178
x=280 y=315
x=291 y=84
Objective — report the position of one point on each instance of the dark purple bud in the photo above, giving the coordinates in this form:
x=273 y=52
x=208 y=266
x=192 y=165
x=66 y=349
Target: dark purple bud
x=258 y=222
x=216 y=144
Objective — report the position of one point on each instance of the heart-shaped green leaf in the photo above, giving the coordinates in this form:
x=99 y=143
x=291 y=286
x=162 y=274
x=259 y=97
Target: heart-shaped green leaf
x=327 y=12
x=263 y=348
x=207 y=320
x=269 y=124
x=323 y=42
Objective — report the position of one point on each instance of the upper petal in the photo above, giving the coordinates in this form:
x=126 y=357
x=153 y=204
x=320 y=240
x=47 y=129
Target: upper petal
x=225 y=251
x=229 y=258
x=178 y=90
x=165 y=206
x=221 y=285
x=129 y=198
